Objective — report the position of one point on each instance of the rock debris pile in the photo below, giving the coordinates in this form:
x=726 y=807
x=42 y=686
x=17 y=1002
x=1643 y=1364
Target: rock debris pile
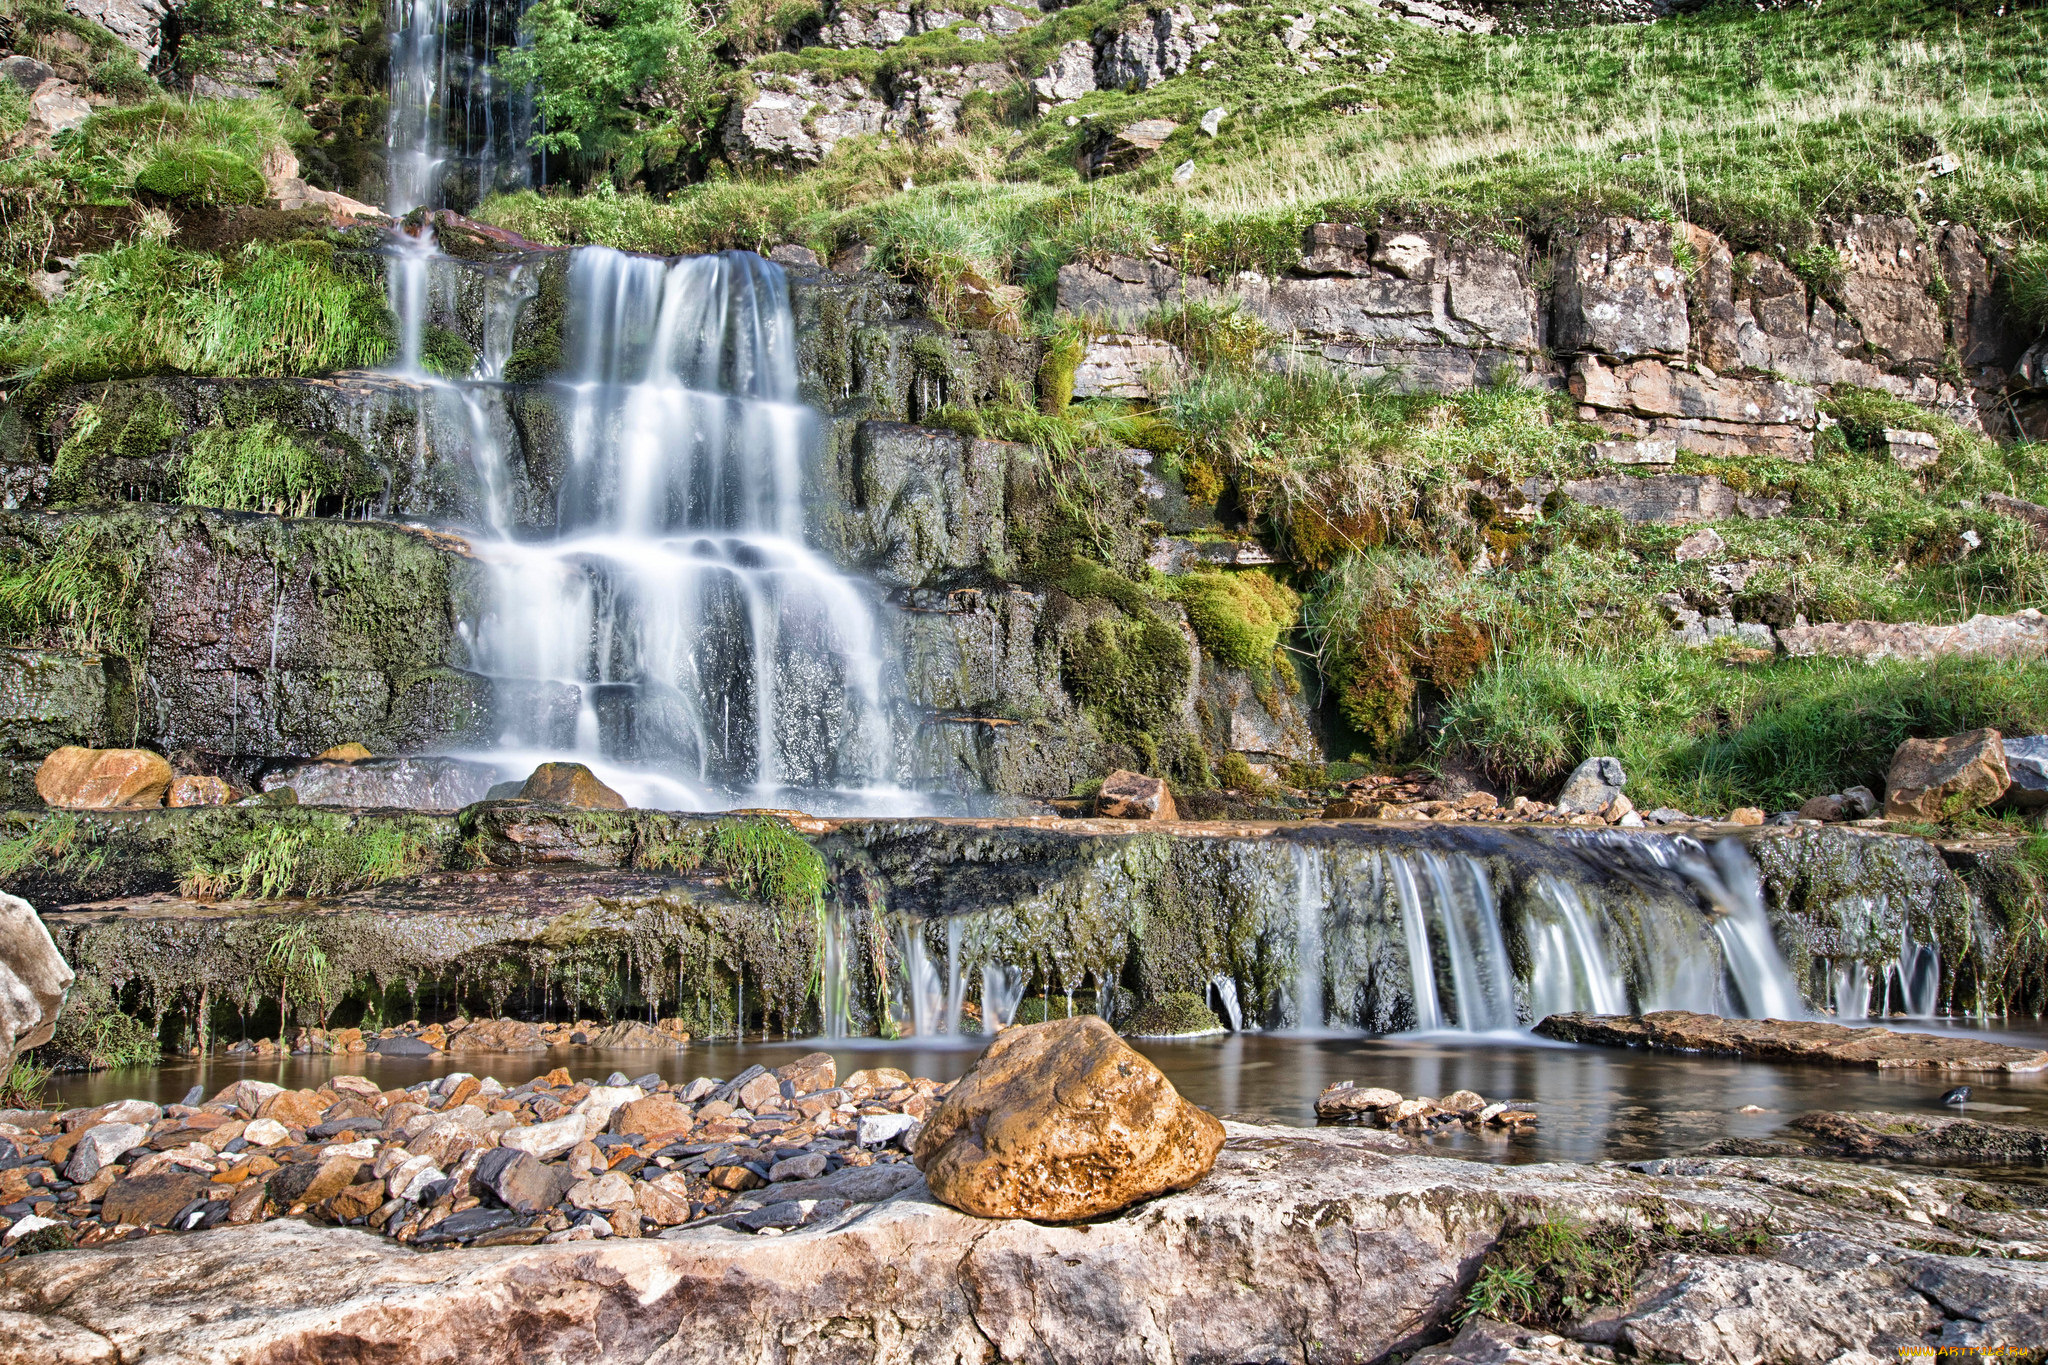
x=467 y=1160
x=1421 y=1113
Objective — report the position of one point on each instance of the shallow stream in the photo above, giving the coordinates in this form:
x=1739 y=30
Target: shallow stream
x=1594 y=1103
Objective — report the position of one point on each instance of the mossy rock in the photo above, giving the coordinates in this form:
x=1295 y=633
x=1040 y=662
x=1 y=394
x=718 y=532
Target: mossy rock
x=1174 y=1016
x=1239 y=617
x=206 y=176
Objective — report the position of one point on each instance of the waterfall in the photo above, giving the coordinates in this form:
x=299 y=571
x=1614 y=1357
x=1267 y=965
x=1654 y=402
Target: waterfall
x=1919 y=973
x=1852 y=992
x=1002 y=990
x=1225 y=987
x=956 y=985
x=921 y=989
x=1309 y=900
x=1763 y=984
x=1567 y=967
x=835 y=995
x=676 y=633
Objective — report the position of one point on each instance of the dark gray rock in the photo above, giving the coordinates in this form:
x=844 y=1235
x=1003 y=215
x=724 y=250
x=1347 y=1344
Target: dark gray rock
x=1619 y=292
x=403 y=1047
x=2026 y=760
x=519 y=1181
x=1592 y=786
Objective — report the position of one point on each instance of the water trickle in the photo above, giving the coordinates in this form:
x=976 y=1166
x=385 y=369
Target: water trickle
x=1002 y=990
x=676 y=633
x=1852 y=992
x=1919 y=973
x=1310 y=897
x=1226 y=993
x=835 y=994
x=920 y=992
x=1568 y=968
x=956 y=984
x=1763 y=984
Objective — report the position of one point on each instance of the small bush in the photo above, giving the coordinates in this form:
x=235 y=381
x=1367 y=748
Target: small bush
x=1174 y=1015
x=199 y=175
x=1551 y=1274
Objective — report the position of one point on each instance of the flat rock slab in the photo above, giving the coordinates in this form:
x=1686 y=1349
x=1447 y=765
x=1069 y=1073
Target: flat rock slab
x=1783 y=1040
x=1922 y=1137
x=1349 y=1240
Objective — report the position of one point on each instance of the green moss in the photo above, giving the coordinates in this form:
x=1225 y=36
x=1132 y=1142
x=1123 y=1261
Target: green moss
x=124 y=423
x=1056 y=372
x=1174 y=1015
x=445 y=353
x=1238 y=617
x=193 y=173
x=261 y=468
x=1552 y=1273
x=306 y=853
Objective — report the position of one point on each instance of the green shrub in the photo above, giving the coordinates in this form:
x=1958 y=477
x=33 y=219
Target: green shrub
x=1174 y=1015
x=199 y=175
x=2026 y=284
x=118 y=75
x=1239 y=617
x=1553 y=1273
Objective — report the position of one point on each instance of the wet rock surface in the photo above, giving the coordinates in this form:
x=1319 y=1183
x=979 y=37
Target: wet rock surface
x=34 y=979
x=1955 y=1140
x=1793 y=1040
x=1351 y=1238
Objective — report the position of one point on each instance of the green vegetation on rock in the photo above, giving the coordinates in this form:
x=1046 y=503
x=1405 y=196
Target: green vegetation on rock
x=1174 y=1015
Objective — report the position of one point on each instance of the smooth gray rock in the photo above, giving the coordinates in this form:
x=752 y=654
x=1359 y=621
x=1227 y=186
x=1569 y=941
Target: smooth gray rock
x=2026 y=761
x=398 y=783
x=1592 y=785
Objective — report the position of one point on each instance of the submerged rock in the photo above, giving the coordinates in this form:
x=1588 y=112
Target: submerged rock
x=1061 y=1121
x=1921 y=1137
x=1792 y=1041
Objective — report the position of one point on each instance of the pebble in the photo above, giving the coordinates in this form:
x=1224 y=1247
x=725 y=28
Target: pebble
x=464 y=1160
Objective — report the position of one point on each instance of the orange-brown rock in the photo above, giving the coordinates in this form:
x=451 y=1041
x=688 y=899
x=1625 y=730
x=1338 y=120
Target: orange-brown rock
x=570 y=784
x=1060 y=1121
x=294 y=1108
x=655 y=1116
x=102 y=779
x=197 y=789
x=498 y=1035
x=812 y=1072
x=1931 y=779
x=345 y=753
x=1134 y=796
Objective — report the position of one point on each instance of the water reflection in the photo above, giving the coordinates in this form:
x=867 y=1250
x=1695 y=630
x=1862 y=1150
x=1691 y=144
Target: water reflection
x=1595 y=1103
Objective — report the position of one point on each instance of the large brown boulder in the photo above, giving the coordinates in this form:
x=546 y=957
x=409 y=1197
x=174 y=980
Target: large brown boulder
x=1934 y=778
x=102 y=779
x=1060 y=1121
x=1134 y=796
x=570 y=784
x=33 y=980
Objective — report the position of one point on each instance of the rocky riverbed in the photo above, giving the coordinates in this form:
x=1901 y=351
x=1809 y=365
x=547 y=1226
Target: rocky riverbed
x=467 y=1160
x=1357 y=1247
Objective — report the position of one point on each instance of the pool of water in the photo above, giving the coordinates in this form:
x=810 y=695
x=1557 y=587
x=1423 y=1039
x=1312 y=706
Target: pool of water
x=1594 y=1103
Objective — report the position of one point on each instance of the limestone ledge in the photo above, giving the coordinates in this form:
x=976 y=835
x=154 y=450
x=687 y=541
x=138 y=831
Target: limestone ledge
x=1880 y=1049
x=1347 y=1242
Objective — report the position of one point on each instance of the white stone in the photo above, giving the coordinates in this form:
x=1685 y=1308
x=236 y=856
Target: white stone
x=1212 y=122
x=547 y=1140
x=99 y=1146
x=266 y=1133
x=878 y=1130
x=24 y=1225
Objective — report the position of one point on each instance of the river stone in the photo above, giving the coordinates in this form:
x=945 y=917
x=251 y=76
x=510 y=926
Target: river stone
x=99 y=1145
x=34 y=980
x=153 y=1200
x=810 y=1073
x=518 y=1181
x=1931 y=779
x=653 y=1117
x=102 y=779
x=1061 y=1121
x=1346 y=1100
x=570 y=784
x=403 y=1047
x=1922 y=1137
x=546 y=1140
x=1592 y=786
x=1133 y=796
x=608 y=1192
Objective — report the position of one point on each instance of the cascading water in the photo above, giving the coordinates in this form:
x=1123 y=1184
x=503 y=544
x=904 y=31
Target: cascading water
x=1567 y=967
x=921 y=995
x=1226 y=995
x=1002 y=990
x=1309 y=900
x=676 y=633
